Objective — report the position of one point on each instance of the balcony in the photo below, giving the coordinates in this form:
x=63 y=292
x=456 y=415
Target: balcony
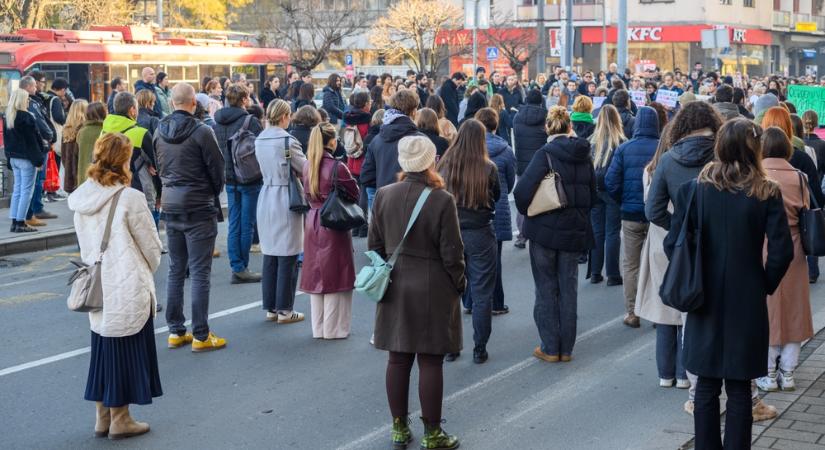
x=552 y=13
x=782 y=19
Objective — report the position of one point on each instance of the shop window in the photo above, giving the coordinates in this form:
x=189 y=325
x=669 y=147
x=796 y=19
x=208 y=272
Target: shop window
x=748 y=3
x=725 y=2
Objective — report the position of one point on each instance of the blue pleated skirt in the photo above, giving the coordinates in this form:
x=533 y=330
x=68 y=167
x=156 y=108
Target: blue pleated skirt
x=124 y=370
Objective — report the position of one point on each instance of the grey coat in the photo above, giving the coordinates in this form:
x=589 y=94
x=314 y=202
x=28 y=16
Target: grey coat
x=281 y=231
x=727 y=110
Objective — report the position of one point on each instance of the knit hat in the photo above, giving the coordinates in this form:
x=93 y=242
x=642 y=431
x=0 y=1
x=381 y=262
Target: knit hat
x=686 y=98
x=203 y=99
x=533 y=97
x=764 y=103
x=416 y=153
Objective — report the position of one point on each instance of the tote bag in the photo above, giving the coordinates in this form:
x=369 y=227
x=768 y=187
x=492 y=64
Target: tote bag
x=550 y=195
x=339 y=213
x=682 y=287
x=811 y=224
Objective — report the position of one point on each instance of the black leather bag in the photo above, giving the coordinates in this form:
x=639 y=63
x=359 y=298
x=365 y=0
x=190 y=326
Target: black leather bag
x=297 y=200
x=682 y=287
x=811 y=224
x=339 y=213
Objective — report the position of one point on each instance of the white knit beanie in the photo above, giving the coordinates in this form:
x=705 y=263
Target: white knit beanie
x=415 y=153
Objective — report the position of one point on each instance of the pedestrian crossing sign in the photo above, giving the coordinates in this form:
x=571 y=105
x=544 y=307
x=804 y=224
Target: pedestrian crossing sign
x=492 y=53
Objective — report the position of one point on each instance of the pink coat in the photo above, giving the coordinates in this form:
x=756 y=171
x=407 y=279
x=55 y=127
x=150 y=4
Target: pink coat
x=328 y=265
x=789 y=308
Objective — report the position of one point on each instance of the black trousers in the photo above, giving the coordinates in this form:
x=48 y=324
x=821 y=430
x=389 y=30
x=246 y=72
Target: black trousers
x=430 y=384
x=738 y=416
x=279 y=280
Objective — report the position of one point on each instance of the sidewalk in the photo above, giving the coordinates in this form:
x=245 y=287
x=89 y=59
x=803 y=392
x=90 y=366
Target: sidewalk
x=57 y=233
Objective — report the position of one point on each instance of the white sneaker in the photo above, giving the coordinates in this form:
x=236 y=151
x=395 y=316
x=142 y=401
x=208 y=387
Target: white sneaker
x=372 y=339
x=271 y=316
x=768 y=383
x=290 y=317
x=665 y=382
x=786 y=381
x=255 y=248
x=682 y=384
x=689 y=407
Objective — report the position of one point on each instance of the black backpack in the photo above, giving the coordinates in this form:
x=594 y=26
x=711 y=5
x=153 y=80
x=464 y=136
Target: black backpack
x=241 y=147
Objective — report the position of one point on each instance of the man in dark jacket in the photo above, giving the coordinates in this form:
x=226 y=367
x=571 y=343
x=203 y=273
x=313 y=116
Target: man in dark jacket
x=529 y=134
x=35 y=84
x=191 y=169
x=422 y=88
x=148 y=82
x=621 y=100
x=624 y=184
x=512 y=93
x=449 y=94
x=381 y=162
x=724 y=103
x=333 y=100
x=242 y=198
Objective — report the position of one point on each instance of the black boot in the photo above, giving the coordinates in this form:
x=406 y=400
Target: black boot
x=13 y=226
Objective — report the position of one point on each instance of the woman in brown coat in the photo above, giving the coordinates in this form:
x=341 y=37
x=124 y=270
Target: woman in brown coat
x=419 y=316
x=328 y=273
x=789 y=308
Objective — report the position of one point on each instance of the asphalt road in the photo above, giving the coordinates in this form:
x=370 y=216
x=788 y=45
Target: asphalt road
x=276 y=387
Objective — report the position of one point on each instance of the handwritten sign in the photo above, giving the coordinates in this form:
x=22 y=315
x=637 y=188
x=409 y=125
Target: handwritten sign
x=703 y=98
x=808 y=97
x=598 y=102
x=639 y=98
x=668 y=99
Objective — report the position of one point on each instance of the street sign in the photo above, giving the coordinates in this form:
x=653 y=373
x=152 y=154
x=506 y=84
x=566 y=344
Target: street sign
x=347 y=60
x=715 y=38
x=806 y=26
x=492 y=53
x=481 y=8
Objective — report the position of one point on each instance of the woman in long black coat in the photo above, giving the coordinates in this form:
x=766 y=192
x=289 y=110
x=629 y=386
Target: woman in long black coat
x=726 y=339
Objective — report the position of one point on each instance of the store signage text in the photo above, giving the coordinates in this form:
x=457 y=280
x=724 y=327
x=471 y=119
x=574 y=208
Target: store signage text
x=739 y=35
x=644 y=34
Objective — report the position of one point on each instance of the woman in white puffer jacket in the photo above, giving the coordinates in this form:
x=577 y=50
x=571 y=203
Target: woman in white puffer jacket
x=124 y=367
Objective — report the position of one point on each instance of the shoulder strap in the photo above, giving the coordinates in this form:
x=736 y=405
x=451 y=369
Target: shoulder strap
x=127 y=129
x=549 y=162
x=287 y=151
x=802 y=184
x=416 y=211
x=108 y=231
x=246 y=122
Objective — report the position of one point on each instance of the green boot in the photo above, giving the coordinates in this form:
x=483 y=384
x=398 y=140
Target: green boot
x=401 y=434
x=437 y=439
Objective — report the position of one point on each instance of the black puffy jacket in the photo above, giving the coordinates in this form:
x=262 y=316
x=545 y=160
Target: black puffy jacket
x=567 y=229
x=529 y=133
x=227 y=122
x=381 y=162
x=190 y=166
x=23 y=141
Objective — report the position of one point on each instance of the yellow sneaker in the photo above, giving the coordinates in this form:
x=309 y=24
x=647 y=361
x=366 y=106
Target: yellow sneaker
x=177 y=341
x=212 y=342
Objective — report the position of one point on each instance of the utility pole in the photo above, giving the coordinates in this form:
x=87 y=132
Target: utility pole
x=475 y=36
x=568 y=36
x=603 y=56
x=159 y=7
x=621 y=42
x=541 y=35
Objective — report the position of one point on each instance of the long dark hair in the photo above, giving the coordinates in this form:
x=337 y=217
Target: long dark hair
x=307 y=92
x=465 y=167
x=377 y=97
x=332 y=81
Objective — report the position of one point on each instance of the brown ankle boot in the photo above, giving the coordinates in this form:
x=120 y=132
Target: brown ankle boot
x=123 y=426
x=103 y=420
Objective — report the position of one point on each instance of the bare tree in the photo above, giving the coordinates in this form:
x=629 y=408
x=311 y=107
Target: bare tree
x=72 y=14
x=410 y=30
x=307 y=31
x=516 y=44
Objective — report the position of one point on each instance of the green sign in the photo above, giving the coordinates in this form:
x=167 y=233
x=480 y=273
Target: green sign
x=808 y=97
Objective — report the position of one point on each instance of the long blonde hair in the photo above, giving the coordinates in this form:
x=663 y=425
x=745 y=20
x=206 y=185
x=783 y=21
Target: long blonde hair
x=75 y=119
x=19 y=101
x=609 y=134
x=661 y=149
x=321 y=134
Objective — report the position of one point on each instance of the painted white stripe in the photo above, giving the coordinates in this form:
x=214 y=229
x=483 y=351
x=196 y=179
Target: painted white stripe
x=44 y=277
x=84 y=350
x=498 y=376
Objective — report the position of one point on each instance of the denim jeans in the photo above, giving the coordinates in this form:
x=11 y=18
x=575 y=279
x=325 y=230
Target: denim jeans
x=480 y=270
x=669 y=352
x=279 y=279
x=243 y=204
x=555 y=273
x=813 y=266
x=190 y=246
x=738 y=417
x=370 y=197
x=607 y=222
x=36 y=205
x=24 y=176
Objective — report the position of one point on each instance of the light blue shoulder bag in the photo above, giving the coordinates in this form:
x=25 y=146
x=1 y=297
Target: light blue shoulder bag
x=374 y=279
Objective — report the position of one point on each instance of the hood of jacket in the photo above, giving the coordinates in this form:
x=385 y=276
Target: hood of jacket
x=570 y=149
x=476 y=102
x=356 y=117
x=229 y=115
x=647 y=123
x=398 y=128
x=532 y=115
x=141 y=85
x=177 y=127
x=693 y=151
x=114 y=123
x=330 y=89
x=496 y=145
x=90 y=197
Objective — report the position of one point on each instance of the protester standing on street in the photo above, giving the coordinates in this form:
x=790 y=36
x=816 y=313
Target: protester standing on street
x=163 y=94
x=23 y=148
x=191 y=169
x=303 y=122
x=740 y=206
x=87 y=136
x=473 y=180
x=281 y=230
x=605 y=217
x=74 y=121
x=582 y=117
x=124 y=120
x=530 y=134
x=447 y=129
x=328 y=270
x=357 y=118
x=451 y=97
x=789 y=307
x=427 y=122
x=123 y=366
x=505 y=160
x=147 y=82
x=241 y=196
x=333 y=102
x=117 y=85
x=35 y=84
x=558 y=237
x=432 y=252
x=505 y=121
x=810 y=120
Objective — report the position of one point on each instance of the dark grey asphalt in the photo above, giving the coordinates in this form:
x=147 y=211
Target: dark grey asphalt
x=276 y=387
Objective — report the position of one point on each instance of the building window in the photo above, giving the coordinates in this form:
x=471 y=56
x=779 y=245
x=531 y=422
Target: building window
x=748 y=3
x=725 y=2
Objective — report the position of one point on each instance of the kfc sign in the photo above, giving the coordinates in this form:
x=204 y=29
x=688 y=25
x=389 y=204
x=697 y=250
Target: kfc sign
x=644 y=34
x=739 y=35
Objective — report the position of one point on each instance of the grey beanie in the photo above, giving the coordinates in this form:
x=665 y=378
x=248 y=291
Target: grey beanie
x=764 y=103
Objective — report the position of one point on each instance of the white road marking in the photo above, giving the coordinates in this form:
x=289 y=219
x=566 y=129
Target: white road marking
x=29 y=280
x=498 y=376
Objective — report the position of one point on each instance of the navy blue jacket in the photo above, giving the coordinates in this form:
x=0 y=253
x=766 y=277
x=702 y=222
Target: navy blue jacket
x=514 y=99
x=141 y=85
x=381 y=161
x=624 y=176
x=334 y=104
x=529 y=133
x=501 y=154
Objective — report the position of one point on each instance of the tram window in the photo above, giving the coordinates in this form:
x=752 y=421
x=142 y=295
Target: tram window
x=117 y=71
x=214 y=71
x=53 y=71
x=9 y=81
x=99 y=82
x=175 y=73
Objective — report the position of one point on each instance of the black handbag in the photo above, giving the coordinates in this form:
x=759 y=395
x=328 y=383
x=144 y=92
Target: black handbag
x=682 y=287
x=811 y=224
x=339 y=213
x=297 y=200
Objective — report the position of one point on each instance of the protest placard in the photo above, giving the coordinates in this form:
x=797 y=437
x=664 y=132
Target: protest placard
x=639 y=98
x=667 y=98
x=808 y=97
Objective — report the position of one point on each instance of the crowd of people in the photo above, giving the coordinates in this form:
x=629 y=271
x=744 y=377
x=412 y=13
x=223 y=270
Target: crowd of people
x=729 y=156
